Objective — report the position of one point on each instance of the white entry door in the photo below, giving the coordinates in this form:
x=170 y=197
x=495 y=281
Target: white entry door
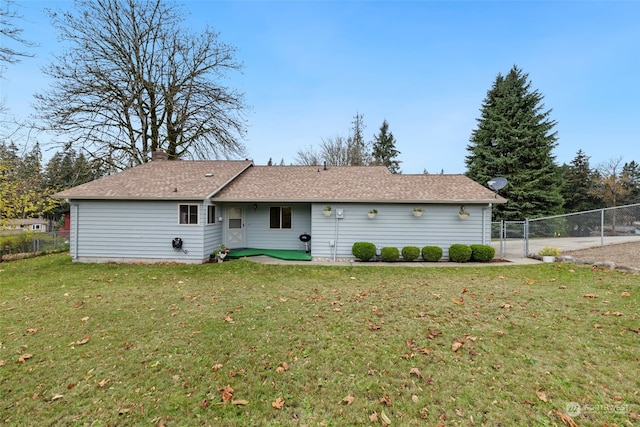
x=235 y=227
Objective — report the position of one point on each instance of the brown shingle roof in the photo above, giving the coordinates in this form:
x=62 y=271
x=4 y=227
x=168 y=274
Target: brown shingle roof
x=351 y=184
x=240 y=181
x=161 y=179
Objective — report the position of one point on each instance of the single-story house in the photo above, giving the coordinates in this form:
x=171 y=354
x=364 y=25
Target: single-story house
x=181 y=211
x=40 y=225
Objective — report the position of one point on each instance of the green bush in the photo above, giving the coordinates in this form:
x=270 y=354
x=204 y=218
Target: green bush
x=389 y=254
x=16 y=243
x=410 y=253
x=364 y=251
x=432 y=253
x=482 y=253
x=459 y=252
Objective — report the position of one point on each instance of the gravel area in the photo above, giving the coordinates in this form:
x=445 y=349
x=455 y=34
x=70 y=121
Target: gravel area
x=622 y=255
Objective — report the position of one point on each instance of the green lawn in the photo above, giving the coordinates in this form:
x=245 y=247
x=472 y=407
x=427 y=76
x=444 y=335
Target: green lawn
x=241 y=344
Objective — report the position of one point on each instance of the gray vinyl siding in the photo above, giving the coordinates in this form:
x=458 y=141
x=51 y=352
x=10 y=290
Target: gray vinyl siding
x=137 y=231
x=259 y=235
x=395 y=225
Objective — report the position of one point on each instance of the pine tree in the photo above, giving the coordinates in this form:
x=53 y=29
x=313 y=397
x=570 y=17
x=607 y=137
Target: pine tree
x=384 y=149
x=514 y=139
x=578 y=184
x=631 y=171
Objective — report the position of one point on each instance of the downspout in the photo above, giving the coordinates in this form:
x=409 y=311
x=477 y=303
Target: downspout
x=74 y=227
x=335 y=237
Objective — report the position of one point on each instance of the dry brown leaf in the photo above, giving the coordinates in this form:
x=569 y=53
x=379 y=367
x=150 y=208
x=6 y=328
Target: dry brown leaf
x=278 y=403
x=433 y=333
x=227 y=393
x=84 y=340
x=566 y=419
x=597 y=325
x=373 y=417
x=204 y=403
x=216 y=367
x=32 y=330
x=590 y=296
x=103 y=382
x=505 y=306
x=373 y=327
x=228 y=319
x=541 y=395
x=457 y=345
x=625 y=294
x=85 y=318
x=2 y=363
x=240 y=402
x=416 y=372
x=385 y=400
x=24 y=357
x=348 y=400
x=457 y=301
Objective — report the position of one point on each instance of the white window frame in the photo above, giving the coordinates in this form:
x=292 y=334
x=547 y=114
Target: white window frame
x=280 y=222
x=211 y=216
x=187 y=219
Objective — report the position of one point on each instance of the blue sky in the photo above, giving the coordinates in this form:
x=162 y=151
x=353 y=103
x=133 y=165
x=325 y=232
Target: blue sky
x=424 y=66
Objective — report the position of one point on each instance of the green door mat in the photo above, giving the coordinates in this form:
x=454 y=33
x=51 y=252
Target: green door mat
x=285 y=254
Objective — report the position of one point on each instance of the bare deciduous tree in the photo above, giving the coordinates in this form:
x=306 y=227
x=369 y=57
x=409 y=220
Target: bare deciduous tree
x=133 y=80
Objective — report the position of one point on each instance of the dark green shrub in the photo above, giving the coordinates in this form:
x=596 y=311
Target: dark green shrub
x=459 y=253
x=389 y=254
x=482 y=253
x=410 y=253
x=432 y=253
x=364 y=251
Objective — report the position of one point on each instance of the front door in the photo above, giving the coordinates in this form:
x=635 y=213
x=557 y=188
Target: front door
x=235 y=227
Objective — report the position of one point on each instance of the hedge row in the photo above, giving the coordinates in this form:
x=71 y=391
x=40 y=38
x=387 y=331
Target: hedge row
x=366 y=251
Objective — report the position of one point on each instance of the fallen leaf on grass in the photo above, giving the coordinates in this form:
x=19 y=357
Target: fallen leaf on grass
x=84 y=340
x=227 y=393
x=56 y=397
x=103 y=382
x=216 y=367
x=385 y=400
x=284 y=366
x=541 y=395
x=278 y=403
x=416 y=372
x=590 y=296
x=433 y=333
x=85 y=318
x=625 y=294
x=2 y=363
x=32 y=330
x=25 y=357
x=597 y=325
x=385 y=419
x=204 y=403
x=457 y=345
x=240 y=402
x=373 y=327
x=566 y=419
x=612 y=313
x=348 y=400
x=373 y=417
x=457 y=301
x=228 y=319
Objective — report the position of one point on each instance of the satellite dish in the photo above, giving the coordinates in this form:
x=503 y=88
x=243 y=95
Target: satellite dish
x=497 y=183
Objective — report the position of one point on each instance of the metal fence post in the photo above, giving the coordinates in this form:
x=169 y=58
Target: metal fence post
x=526 y=237
x=601 y=227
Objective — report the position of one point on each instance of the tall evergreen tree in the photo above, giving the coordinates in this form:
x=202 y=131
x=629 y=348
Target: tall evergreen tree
x=578 y=185
x=514 y=139
x=384 y=149
x=631 y=171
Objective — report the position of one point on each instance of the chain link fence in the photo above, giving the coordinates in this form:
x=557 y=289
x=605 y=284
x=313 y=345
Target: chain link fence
x=21 y=244
x=572 y=231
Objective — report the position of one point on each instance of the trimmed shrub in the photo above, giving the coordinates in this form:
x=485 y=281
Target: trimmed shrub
x=389 y=254
x=432 y=253
x=482 y=253
x=364 y=251
x=410 y=253
x=459 y=252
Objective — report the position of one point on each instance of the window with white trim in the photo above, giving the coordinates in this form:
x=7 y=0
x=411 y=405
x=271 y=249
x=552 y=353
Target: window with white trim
x=188 y=214
x=280 y=217
x=211 y=214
